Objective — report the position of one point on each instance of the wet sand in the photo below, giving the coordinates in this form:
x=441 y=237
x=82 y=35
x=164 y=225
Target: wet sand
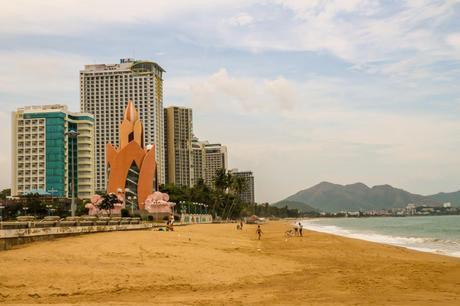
x=217 y=265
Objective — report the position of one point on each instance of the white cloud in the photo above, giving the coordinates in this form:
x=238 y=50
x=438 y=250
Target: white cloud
x=240 y=93
x=369 y=34
x=242 y=19
x=40 y=77
x=55 y=17
x=366 y=33
x=454 y=40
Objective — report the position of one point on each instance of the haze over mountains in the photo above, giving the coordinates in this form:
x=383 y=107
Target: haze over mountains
x=331 y=197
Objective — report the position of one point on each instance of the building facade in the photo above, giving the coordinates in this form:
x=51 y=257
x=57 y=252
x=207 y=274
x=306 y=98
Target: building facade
x=248 y=195
x=215 y=159
x=178 y=145
x=105 y=90
x=42 y=151
x=198 y=161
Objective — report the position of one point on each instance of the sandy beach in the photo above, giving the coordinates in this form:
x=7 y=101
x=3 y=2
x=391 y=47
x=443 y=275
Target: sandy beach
x=216 y=264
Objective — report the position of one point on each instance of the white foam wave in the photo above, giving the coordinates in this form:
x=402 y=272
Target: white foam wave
x=423 y=244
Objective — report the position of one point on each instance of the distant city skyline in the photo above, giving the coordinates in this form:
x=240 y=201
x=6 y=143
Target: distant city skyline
x=300 y=91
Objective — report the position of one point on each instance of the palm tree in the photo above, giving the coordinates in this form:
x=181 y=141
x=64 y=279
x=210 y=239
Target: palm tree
x=221 y=184
x=238 y=185
x=108 y=202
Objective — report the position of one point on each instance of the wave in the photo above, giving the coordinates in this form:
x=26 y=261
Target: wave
x=423 y=244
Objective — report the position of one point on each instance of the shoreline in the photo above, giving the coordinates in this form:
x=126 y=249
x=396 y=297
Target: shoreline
x=381 y=238
x=217 y=264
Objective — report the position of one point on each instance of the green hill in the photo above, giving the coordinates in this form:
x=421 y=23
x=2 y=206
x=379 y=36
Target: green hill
x=302 y=207
x=443 y=197
x=331 y=197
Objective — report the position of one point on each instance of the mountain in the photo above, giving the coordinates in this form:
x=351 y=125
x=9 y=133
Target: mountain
x=443 y=197
x=298 y=205
x=331 y=197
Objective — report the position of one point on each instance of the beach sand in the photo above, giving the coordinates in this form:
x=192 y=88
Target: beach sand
x=218 y=265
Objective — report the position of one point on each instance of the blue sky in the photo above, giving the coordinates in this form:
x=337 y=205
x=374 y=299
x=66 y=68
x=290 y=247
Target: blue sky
x=299 y=91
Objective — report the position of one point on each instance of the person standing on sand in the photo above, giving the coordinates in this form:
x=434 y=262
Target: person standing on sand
x=241 y=225
x=300 y=229
x=259 y=232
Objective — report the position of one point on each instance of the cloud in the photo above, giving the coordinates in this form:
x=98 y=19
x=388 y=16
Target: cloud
x=454 y=40
x=55 y=17
x=242 y=19
x=244 y=94
x=40 y=77
x=371 y=35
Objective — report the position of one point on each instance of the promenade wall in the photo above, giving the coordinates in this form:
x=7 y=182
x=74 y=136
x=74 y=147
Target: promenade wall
x=12 y=237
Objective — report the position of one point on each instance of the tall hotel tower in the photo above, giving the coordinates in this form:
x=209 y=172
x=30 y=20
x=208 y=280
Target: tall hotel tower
x=216 y=158
x=105 y=90
x=207 y=159
x=42 y=158
x=248 y=195
x=178 y=129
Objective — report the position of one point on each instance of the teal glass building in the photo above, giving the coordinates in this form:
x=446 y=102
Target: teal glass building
x=45 y=157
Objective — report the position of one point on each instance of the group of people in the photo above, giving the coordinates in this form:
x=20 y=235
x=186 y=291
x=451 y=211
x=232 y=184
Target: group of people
x=298 y=230
x=239 y=226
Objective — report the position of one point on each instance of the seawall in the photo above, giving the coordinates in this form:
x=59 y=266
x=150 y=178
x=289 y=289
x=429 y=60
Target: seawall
x=12 y=237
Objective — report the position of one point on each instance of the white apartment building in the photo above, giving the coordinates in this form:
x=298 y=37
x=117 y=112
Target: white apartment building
x=105 y=90
x=178 y=145
x=198 y=160
x=215 y=159
x=42 y=151
x=248 y=195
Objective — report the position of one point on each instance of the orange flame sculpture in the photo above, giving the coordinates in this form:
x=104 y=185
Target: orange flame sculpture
x=131 y=152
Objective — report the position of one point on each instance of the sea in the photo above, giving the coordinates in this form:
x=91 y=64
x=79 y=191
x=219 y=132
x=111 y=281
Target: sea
x=434 y=234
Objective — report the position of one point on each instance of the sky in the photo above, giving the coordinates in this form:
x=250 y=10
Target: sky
x=300 y=91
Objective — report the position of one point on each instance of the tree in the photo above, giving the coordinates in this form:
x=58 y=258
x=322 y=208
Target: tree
x=108 y=202
x=35 y=204
x=238 y=185
x=5 y=193
x=221 y=183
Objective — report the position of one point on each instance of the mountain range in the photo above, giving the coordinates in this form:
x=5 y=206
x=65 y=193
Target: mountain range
x=331 y=197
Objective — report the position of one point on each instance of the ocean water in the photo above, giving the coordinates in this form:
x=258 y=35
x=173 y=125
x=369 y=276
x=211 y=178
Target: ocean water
x=435 y=234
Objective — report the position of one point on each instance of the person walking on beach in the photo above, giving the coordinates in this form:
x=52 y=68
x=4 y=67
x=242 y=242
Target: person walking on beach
x=300 y=229
x=241 y=225
x=259 y=232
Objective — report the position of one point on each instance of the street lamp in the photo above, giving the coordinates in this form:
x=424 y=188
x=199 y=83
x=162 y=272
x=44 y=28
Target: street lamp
x=131 y=199
x=25 y=210
x=49 y=207
x=72 y=135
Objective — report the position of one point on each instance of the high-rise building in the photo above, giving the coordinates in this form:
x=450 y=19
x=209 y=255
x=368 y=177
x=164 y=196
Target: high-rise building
x=206 y=160
x=247 y=196
x=178 y=145
x=105 y=90
x=198 y=160
x=216 y=158
x=42 y=156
